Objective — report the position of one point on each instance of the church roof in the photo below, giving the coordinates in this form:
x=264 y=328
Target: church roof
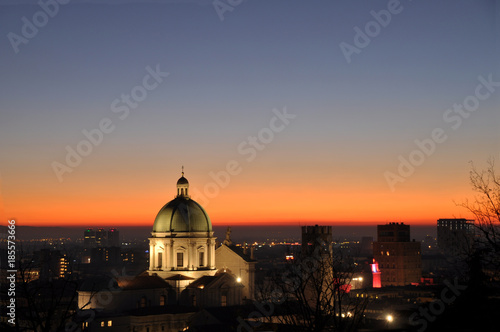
x=141 y=282
x=239 y=251
x=182 y=180
x=212 y=281
x=182 y=214
x=204 y=282
x=124 y=283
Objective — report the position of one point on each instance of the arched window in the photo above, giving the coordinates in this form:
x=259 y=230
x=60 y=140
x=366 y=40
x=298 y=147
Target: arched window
x=163 y=300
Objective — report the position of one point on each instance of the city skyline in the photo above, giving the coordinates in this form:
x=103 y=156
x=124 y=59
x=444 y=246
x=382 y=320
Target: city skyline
x=289 y=113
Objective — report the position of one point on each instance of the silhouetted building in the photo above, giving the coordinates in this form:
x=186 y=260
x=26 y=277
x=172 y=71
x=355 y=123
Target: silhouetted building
x=314 y=237
x=51 y=264
x=399 y=259
x=455 y=235
x=113 y=238
x=393 y=232
x=89 y=238
x=105 y=255
x=101 y=238
x=365 y=246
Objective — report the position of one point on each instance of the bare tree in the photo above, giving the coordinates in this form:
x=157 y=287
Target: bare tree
x=485 y=207
x=44 y=304
x=315 y=293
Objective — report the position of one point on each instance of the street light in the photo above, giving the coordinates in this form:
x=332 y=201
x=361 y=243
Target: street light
x=389 y=320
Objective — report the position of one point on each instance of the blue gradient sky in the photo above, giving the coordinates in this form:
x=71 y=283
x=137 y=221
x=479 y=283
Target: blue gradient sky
x=353 y=119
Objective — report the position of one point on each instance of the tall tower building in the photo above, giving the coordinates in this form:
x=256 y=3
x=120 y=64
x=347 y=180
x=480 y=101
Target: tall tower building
x=455 y=236
x=100 y=237
x=89 y=238
x=182 y=243
x=113 y=238
x=399 y=259
x=314 y=237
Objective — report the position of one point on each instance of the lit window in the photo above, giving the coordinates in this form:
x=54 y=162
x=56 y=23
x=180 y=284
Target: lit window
x=102 y=324
x=110 y=323
x=223 y=300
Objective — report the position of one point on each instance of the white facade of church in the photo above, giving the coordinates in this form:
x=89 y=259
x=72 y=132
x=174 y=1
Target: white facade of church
x=182 y=246
x=186 y=270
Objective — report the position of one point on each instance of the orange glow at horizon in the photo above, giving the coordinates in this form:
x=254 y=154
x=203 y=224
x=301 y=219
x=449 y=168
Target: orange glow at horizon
x=246 y=205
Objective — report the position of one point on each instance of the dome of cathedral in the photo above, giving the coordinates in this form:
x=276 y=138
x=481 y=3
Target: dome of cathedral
x=182 y=214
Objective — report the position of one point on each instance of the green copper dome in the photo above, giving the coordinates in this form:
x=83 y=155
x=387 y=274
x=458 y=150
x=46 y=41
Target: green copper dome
x=182 y=214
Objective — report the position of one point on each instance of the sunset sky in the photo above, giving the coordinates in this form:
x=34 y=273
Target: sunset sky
x=312 y=105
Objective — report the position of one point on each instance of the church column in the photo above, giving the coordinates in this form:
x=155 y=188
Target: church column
x=205 y=256
x=151 y=255
x=164 y=257
x=172 y=253
x=210 y=264
x=189 y=254
x=168 y=265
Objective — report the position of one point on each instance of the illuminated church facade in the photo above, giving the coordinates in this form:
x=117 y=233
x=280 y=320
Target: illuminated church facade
x=182 y=251
x=186 y=270
x=182 y=241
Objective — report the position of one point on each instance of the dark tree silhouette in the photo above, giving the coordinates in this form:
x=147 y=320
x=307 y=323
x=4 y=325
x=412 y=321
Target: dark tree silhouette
x=44 y=304
x=485 y=207
x=313 y=292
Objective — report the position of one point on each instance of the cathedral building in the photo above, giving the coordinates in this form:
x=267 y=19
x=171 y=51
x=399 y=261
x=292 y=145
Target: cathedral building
x=182 y=248
x=186 y=273
x=182 y=242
